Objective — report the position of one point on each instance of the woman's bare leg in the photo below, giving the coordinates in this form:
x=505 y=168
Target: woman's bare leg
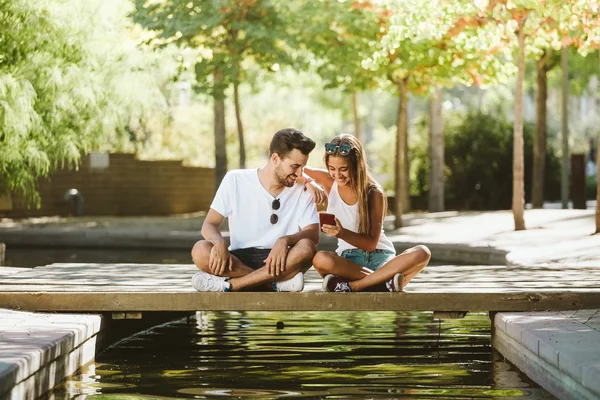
x=409 y=264
x=328 y=262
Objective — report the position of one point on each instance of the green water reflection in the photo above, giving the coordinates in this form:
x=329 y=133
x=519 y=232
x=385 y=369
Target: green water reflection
x=384 y=355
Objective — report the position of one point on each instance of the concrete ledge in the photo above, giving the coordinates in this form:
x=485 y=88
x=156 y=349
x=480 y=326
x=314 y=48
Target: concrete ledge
x=40 y=350
x=460 y=253
x=558 y=350
x=5 y=271
x=136 y=238
x=68 y=237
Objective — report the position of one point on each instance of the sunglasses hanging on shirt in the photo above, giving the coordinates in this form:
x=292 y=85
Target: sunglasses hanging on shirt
x=274 y=207
x=342 y=149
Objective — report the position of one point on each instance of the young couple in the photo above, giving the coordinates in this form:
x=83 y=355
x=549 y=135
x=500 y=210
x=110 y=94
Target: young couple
x=274 y=225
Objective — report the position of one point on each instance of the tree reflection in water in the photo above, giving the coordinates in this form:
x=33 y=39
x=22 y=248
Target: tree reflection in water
x=315 y=354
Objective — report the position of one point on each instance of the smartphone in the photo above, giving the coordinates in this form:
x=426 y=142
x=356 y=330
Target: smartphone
x=326 y=218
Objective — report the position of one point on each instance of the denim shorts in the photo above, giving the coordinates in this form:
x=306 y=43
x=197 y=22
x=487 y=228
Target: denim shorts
x=370 y=259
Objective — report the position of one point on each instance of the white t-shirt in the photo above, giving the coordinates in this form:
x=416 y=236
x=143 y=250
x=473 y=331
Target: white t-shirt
x=248 y=205
x=348 y=217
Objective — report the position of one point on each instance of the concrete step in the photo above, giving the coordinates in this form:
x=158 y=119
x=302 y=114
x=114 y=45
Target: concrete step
x=558 y=350
x=37 y=351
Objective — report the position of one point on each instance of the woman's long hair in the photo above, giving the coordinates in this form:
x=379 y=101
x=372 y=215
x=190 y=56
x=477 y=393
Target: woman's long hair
x=360 y=179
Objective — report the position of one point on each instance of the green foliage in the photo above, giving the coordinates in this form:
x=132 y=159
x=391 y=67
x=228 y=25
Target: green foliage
x=228 y=34
x=478 y=157
x=68 y=77
x=431 y=51
x=339 y=35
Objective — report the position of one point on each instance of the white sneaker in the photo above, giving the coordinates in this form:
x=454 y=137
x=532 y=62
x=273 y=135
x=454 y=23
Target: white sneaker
x=294 y=284
x=205 y=282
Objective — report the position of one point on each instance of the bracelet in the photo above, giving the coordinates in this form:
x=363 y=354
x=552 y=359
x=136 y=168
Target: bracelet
x=306 y=182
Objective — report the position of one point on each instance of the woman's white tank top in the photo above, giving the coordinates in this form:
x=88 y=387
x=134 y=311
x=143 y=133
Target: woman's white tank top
x=348 y=217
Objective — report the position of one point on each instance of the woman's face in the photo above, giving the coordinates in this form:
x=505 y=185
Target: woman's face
x=339 y=169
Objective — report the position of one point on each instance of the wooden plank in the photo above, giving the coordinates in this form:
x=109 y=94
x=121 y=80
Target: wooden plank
x=140 y=277
x=450 y=287
x=315 y=301
x=308 y=288
x=167 y=287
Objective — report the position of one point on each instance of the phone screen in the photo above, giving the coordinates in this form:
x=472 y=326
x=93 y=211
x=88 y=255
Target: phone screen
x=326 y=219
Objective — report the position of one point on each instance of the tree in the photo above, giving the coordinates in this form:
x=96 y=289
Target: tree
x=61 y=92
x=571 y=27
x=228 y=34
x=543 y=65
x=539 y=26
x=564 y=131
x=418 y=53
x=598 y=184
x=436 y=152
x=339 y=36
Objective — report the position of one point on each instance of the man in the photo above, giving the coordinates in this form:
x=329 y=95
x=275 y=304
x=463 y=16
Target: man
x=273 y=224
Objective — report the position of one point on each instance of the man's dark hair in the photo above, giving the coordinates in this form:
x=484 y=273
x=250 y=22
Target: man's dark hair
x=286 y=140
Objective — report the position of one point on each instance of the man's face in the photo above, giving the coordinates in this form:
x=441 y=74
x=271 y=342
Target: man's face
x=289 y=168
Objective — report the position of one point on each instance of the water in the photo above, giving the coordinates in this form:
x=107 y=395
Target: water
x=270 y=355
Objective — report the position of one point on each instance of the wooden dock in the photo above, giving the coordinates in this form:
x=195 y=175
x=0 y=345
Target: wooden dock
x=166 y=287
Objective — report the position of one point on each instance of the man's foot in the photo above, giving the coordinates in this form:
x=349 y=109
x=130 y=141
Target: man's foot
x=294 y=284
x=205 y=282
x=396 y=283
x=332 y=283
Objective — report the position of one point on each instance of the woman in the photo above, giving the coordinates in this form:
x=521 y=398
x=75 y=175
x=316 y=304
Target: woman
x=365 y=258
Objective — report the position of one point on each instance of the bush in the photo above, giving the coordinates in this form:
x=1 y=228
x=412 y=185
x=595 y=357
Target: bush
x=478 y=157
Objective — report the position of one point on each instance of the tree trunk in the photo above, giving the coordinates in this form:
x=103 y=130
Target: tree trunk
x=436 y=152
x=401 y=151
x=355 y=117
x=406 y=187
x=219 y=128
x=598 y=184
x=539 y=140
x=518 y=198
x=240 y=126
x=564 y=171
x=598 y=179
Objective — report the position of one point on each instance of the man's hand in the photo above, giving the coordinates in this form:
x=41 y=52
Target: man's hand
x=318 y=193
x=220 y=259
x=275 y=262
x=333 y=230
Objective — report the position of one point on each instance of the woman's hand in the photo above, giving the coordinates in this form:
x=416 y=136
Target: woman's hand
x=317 y=191
x=334 y=230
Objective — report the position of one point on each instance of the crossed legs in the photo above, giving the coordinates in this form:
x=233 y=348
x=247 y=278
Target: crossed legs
x=409 y=263
x=243 y=277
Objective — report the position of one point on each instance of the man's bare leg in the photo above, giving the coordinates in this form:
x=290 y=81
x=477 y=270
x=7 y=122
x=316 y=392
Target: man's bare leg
x=201 y=256
x=299 y=259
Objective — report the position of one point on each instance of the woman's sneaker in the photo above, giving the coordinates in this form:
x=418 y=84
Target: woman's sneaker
x=294 y=284
x=333 y=283
x=396 y=283
x=205 y=282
